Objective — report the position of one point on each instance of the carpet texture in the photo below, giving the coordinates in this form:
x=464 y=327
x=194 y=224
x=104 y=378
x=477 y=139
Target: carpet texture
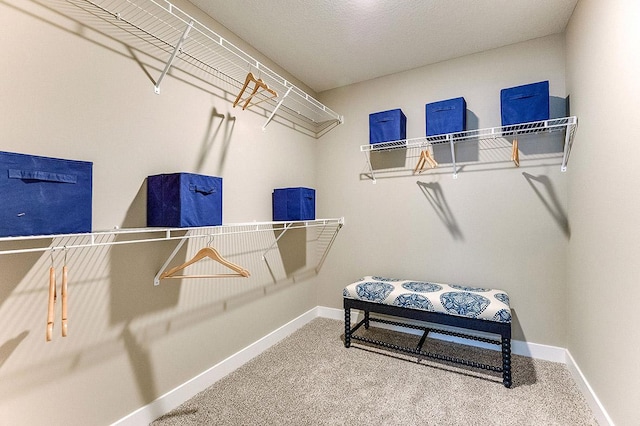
x=310 y=378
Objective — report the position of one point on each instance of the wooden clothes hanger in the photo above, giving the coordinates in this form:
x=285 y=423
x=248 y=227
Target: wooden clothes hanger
x=211 y=253
x=425 y=157
x=53 y=296
x=52 y=301
x=515 y=153
x=258 y=84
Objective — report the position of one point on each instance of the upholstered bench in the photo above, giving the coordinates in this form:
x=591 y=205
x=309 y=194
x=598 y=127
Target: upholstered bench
x=478 y=309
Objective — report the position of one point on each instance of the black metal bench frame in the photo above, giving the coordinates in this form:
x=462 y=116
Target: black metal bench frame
x=502 y=329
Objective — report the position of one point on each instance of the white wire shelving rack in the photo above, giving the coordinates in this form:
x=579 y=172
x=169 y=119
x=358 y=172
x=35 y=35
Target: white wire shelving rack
x=327 y=229
x=567 y=124
x=40 y=243
x=181 y=37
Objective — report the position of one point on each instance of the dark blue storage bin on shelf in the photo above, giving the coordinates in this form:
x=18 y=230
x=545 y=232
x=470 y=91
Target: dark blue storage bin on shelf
x=448 y=116
x=524 y=104
x=294 y=204
x=43 y=195
x=180 y=200
x=387 y=126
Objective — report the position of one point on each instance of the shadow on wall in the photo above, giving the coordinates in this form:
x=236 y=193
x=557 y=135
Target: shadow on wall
x=211 y=135
x=132 y=273
x=468 y=151
x=292 y=245
x=141 y=364
x=388 y=159
x=523 y=370
x=433 y=193
x=558 y=107
x=15 y=268
x=543 y=188
x=516 y=329
x=131 y=280
x=11 y=345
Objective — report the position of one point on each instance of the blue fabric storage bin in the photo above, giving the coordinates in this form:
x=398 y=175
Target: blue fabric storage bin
x=180 y=200
x=387 y=126
x=524 y=104
x=449 y=116
x=294 y=204
x=43 y=195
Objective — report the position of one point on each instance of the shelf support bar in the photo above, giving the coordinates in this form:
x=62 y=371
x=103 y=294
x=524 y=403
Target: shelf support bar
x=173 y=57
x=453 y=156
x=326 y=252
x=568 y=140
x=156 y=279
x=367 y=156
x=285 y=229
x=273 y=113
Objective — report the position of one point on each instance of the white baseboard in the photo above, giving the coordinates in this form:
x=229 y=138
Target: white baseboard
x=177 y=396
x=597 y=408
x=330 y=313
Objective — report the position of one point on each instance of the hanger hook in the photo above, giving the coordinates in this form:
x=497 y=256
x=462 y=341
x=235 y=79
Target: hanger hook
x=51 y=254
x=210 y=242
x=65 y=255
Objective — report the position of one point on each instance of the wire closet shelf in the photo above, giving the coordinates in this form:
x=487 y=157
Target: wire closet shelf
x=40 y=243
x=182 y=37
x=567 y=124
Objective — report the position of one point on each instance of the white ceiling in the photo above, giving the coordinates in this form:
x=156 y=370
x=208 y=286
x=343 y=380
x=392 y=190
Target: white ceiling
x=332 y=43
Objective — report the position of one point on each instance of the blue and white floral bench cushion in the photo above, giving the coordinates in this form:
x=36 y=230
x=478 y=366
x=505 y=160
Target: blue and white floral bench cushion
x=471 y=302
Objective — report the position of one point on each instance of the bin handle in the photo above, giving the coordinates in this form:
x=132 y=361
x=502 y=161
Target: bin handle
x=202 y=190
x=449 y=108
x=40 y=175
x=523 y=96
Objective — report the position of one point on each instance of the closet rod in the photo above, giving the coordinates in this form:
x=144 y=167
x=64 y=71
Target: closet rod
x=231 y=229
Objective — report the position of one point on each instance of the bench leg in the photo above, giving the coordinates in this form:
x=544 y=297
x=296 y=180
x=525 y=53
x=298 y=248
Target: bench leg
x=366 y=320
x=506 y=362
x=347 y=327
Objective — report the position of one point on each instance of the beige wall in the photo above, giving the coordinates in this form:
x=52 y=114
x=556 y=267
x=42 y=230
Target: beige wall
x=603 y=65
x=67 y=91
x=503 y=227
x=543 y=236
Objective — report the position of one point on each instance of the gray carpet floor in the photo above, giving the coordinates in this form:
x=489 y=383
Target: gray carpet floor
x=310 y=378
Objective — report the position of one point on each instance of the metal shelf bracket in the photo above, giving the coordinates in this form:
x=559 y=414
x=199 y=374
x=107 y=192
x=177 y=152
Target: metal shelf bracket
x=284 y=230
x=273 y=113
x=176 y=50
x=453 y=156
x=156 y=279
